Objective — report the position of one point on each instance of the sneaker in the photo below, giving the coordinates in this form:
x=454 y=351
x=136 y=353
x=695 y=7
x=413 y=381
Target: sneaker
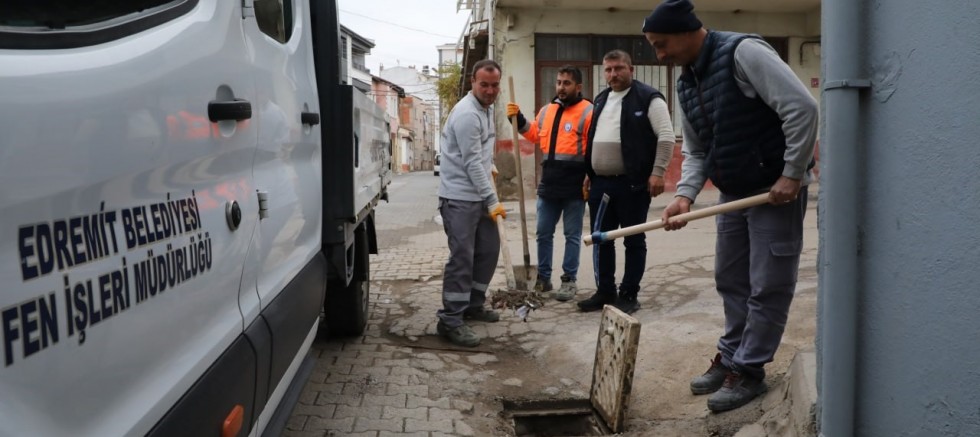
x=627 y=304
x=542 y=285
x=711 y=380
x=481 y=314
x=567 y=290
x=461 y=335
x=736 y=391
x=596 y=302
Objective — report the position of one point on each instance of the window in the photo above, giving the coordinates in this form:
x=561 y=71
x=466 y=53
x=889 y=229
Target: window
x=344 y=61
x=275 y=18
x=561 y=48
x=57 y=24
x=552 y=51
x=780 y=45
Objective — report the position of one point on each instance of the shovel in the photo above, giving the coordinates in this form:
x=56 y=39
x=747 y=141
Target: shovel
x=521 y=301
x=504 y=247
x=600 y=237
x=529 y=273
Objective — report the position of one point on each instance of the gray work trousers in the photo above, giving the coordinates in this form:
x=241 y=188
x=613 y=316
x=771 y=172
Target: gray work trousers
x=474 y=246
x=757 y=257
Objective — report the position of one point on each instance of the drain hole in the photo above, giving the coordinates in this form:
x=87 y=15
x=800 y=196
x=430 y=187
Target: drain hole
x=556 y=426
x=554 y=418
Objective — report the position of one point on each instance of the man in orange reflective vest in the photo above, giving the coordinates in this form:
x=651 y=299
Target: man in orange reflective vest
x=561 y=130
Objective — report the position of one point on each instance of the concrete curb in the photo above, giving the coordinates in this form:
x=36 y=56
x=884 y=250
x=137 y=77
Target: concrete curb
x=790 y=411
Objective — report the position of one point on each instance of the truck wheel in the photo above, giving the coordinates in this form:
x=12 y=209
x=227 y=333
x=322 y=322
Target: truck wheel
x=346 y=306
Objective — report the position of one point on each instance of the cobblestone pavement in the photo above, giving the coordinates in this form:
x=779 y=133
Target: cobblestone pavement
x=400 y=379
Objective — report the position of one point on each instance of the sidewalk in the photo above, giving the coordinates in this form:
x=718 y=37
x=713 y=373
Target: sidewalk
x=400 y=378
x=681 y=316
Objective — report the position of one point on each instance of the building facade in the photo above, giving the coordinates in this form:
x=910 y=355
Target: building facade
x=388 y=96
x=354 y=52
x=417 y=123
x=418 y=112
x=532 y=41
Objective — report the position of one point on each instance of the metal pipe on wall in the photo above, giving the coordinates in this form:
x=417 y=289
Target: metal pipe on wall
x=841 y=189
x=490 y=34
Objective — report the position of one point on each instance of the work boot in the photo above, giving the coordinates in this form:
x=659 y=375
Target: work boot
x=596 y=302
x=627 y=303
x=461 y=335
x=712 y=379
x=737 y=390
x=567 y=290
x=542 y=285
x=481 y=314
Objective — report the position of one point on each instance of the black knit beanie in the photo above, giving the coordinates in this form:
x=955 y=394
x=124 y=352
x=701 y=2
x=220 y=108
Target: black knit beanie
x=672 y=16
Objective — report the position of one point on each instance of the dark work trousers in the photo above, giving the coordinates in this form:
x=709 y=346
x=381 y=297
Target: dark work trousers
x=474 y=245
x=628 y=206
x=757 y=256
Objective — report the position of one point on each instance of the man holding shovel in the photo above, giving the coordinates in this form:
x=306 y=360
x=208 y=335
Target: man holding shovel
x=561 y=130
x=469 y=207
x=750 y=126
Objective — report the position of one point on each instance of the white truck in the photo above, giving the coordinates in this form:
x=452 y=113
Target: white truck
x=186 y=190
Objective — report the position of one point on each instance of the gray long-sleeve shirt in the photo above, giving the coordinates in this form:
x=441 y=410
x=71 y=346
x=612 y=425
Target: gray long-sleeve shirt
x=760 y=72
x=467 y=153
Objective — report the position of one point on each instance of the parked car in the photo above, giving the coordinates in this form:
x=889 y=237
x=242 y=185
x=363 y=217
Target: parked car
x=435 y=166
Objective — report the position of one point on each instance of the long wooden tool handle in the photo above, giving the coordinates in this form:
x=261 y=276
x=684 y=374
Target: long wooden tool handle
x=736 y=205
x=505 y=253
x=520 y=178
x=504 y=247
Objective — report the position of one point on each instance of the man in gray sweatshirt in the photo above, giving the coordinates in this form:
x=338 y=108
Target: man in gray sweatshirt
x=750 y=126
x=469 y=207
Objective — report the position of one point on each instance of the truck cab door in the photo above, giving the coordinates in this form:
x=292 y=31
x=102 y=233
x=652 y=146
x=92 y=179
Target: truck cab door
x=127 y=204
x=289 y=270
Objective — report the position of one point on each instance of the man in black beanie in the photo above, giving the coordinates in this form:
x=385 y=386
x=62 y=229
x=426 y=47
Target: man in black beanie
x=672 y=16
x=750 y=126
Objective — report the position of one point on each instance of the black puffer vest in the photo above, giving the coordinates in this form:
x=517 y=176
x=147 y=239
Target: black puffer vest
x=743 y=136
x=638 y=140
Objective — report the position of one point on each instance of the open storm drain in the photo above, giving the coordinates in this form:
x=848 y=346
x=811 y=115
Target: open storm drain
x=612 y=381
x=554 y=418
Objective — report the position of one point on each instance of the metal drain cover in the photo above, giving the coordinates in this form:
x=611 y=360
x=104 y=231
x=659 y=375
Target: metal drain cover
x=615 y=361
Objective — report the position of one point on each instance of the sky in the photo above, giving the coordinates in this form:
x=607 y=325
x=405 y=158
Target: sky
x=405 y=32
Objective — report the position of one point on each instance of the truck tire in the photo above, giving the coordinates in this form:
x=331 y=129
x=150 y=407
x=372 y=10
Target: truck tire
x=346 y=306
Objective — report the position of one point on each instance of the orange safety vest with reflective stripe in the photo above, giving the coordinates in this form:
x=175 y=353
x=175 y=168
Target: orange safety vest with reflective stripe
x=562 y=133
x=570 y=135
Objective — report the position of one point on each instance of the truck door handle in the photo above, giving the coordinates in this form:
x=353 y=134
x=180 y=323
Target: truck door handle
x=236 y=110
x=310 y=118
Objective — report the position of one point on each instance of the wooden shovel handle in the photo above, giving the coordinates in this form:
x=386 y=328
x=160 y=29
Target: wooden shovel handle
x=736 y=205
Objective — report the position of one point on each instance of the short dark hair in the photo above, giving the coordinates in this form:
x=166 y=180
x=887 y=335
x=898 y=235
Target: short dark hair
x=572 y=71
x=486 y=64
x=618 y=55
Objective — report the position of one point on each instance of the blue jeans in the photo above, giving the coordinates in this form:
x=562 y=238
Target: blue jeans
x=549 y=211
x=628 y=206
